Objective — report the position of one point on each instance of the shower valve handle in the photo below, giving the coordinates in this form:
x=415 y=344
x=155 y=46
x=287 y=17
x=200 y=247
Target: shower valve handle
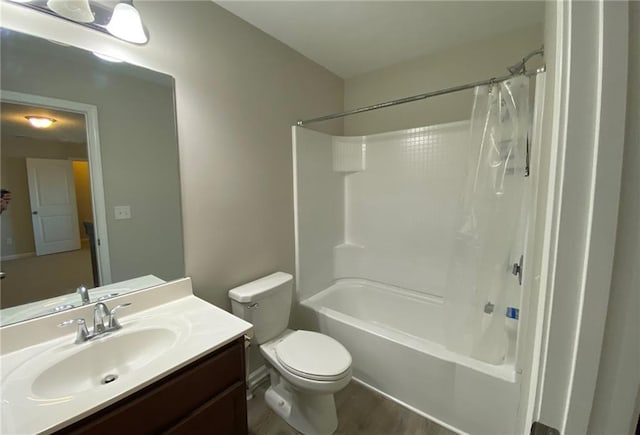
x=517 y=269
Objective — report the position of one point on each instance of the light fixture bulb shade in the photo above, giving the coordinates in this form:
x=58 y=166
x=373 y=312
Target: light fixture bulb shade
x=76 y=10
x=40 y=121
x=126 y=24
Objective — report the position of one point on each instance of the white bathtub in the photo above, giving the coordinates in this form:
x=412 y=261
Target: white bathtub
x=395 y=338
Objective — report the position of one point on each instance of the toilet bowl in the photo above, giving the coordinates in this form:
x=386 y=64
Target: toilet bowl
x=305 y=368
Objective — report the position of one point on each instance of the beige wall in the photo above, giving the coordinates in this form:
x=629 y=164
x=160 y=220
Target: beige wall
x=16 y=220
x=455 y=66
x=237 y=92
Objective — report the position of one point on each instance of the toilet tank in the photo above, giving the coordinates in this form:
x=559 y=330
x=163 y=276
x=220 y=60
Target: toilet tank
x=265 y=303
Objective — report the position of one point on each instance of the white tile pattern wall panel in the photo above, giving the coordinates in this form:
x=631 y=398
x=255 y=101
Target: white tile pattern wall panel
x=319 y=210
x=403 y=209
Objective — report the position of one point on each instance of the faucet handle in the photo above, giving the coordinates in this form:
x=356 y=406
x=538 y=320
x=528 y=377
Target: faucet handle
x=113 y=321
x=109 y=296
x=82 y=334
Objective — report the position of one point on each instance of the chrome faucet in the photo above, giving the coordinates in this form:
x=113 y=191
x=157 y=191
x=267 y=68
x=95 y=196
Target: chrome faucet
x=100 y=313
x=84 y=294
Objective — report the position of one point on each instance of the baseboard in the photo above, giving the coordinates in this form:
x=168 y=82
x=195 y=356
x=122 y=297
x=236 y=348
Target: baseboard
x=17 y=256
x=257 y=377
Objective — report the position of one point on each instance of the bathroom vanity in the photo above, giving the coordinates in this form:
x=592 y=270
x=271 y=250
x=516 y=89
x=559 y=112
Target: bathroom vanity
x=175 y=366
x=208 y=396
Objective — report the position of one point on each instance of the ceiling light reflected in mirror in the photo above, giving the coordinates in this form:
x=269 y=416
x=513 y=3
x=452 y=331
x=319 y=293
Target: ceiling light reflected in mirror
x=67 y=127
x=40 y=121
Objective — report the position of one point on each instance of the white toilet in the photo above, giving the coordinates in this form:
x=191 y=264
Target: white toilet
x=305 y=367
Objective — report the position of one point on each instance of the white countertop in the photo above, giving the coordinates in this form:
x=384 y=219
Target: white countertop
x=200 y=326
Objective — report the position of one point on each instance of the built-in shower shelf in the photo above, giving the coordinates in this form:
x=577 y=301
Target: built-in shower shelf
x=349 y=154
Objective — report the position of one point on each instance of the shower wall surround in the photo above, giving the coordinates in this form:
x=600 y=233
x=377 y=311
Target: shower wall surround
x=400 y=211
x=319 y=216
x=381 y=207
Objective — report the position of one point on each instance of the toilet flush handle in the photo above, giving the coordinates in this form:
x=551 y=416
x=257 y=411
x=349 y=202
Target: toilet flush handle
x=253 y=305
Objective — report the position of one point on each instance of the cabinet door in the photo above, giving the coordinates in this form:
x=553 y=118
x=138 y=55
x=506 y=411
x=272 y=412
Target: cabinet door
x=223 y=415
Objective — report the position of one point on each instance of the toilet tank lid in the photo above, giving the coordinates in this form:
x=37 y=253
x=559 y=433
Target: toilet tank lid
x=253 y=290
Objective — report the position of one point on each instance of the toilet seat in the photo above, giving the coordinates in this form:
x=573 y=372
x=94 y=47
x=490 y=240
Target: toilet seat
x=315 y=356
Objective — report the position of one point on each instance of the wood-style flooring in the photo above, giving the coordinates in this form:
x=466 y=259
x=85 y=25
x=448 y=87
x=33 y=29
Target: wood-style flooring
x=361 y=411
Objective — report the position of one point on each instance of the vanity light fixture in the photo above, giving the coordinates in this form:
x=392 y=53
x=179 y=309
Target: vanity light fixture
x=75 y=10
x=126 y=23
x=40 y=121
x=122 y=21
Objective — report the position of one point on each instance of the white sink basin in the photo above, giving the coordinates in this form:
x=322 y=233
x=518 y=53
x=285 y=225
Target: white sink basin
x=102 y=362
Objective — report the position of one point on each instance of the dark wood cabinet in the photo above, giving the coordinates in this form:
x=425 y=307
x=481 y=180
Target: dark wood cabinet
x=206 y=397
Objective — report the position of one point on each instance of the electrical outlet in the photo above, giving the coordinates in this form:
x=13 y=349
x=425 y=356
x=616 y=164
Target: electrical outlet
x=122 y=212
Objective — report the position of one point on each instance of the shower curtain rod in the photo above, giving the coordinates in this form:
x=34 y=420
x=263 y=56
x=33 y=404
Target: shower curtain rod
x=377 y=106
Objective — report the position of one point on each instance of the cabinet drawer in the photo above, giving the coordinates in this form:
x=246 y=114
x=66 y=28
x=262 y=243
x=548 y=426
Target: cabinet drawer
x=225 y=414
x=166 y=402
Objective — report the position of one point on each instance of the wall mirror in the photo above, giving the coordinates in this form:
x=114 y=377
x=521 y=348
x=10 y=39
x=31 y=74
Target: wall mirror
x=95 y=196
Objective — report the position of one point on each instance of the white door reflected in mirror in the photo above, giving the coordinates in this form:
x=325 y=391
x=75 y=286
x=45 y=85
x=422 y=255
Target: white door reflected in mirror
x=53 y=205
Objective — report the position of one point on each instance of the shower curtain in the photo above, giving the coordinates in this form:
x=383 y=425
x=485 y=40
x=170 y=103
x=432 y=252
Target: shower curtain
x=479 y=274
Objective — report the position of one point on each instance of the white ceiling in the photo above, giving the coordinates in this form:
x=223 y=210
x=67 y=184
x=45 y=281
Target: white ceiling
x=354 y=37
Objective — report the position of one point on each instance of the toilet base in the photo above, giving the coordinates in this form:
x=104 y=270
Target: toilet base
x=311 y=414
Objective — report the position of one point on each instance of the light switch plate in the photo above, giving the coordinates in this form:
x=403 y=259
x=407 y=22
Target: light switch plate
x=122 y=212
